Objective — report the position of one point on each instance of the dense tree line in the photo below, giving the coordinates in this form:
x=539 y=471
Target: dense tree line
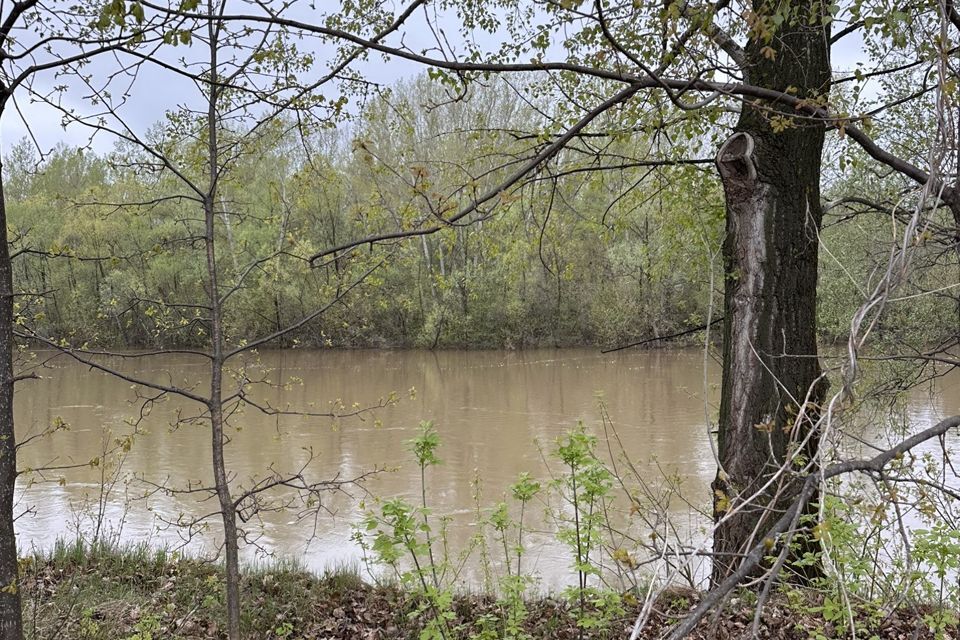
x=575 y=257
x=586 y=259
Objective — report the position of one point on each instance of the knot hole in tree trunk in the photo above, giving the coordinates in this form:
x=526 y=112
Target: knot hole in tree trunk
x=735 y=160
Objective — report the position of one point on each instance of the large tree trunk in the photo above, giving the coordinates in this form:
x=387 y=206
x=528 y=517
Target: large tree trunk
x=11 y=623
x=771 y=183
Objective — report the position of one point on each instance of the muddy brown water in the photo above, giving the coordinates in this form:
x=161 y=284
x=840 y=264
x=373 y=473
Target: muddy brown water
x=497 y=413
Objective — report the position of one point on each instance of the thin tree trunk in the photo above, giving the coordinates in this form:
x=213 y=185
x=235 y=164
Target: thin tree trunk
x=227 y=510
x=11 y=617
x=228 y=225
x=771 y=184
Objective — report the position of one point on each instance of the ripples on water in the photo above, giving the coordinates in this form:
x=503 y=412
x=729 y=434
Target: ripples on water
x=496 y=412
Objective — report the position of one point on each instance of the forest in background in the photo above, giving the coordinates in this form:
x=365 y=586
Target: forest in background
x=576 y=257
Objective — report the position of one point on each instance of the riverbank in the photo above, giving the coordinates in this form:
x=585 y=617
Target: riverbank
x=135 y=593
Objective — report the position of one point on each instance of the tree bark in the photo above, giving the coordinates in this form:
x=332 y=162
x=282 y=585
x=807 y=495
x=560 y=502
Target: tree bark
x=228 y=510
x=770 y=170
x=11 y=617
x=231 y=544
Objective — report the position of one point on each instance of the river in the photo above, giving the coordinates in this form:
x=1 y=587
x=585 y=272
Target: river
x=497 y=414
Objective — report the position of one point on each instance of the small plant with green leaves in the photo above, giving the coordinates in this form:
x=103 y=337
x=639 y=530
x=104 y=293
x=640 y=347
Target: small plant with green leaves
x=145 y=629
x=214 y=597
x=523 y=491
x=937 y=550
x=865 y=569
x=585 y=490
x=284 y=630
x=487 y=628
x=514 y=584
x=89 y=627
x=401 y=532
x=479 y=541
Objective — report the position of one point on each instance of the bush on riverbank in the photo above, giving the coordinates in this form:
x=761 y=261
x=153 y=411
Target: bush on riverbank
x=134 y=593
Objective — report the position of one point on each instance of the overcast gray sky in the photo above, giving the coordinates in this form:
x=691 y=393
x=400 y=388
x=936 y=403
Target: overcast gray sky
x=156 y=91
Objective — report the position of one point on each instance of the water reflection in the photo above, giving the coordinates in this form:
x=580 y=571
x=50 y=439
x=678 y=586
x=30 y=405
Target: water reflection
x=496 y=412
